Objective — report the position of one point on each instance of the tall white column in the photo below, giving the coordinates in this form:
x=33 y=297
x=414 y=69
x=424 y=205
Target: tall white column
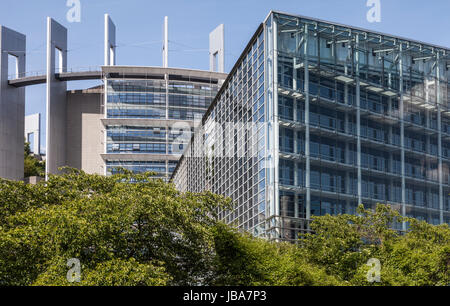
x=12 y=105
x=56 y=98
x=307 y=138
x=217 y=49
x=402 y=134
x=166 y=43
x=110 y=42
x=439 y=123
x=358 y=118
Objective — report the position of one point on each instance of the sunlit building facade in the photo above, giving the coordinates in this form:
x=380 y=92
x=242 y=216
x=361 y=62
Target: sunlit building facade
x=325 y=116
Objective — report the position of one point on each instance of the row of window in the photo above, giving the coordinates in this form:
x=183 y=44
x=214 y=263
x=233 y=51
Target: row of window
x=118 y=86
x=372 y=159
x=160 y=99
x=380 y=71
x=160 y=86
x=154 y=148
x=335 y=181
x=140 y=134
x=321 y=206
x=112 y=167
x=335 y=121
x=370 y=101
x=155 y=113
x=191 y=89
x=137 y=98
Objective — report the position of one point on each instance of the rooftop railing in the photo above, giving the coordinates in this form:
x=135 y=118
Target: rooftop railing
x=40 y=73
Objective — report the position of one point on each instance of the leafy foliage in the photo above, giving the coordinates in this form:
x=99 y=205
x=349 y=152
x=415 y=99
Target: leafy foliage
x=116 y=272
x=32 y=166
x=343 y=245
x=136 y=230
x=104 y=220
x=242 y=260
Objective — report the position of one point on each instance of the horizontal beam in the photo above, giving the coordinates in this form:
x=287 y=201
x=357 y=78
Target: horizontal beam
x=65 y=76
x=139 y=157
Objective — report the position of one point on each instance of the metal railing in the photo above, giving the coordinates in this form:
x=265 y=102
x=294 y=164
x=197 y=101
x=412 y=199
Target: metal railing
x=40 y=73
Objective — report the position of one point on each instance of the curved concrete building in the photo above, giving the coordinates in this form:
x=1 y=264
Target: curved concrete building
x=140 y=118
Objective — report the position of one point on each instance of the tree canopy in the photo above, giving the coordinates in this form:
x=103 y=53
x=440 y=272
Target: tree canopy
x=132 y=229
x=32 y=166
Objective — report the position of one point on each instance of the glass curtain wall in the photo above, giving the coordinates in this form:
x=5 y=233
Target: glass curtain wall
x=347 y=116
x=228 y=154
x=155 y=120
x=361 y=119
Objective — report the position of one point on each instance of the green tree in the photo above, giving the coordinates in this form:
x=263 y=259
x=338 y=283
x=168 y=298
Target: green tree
x=242 y=260
x=116 y=272
x=343 y=244
x=102 y=221
x=32 y=166
x=133 y=229
x=420 y=258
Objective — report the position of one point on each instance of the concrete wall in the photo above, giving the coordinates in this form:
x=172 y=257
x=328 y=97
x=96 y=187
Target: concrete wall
x=85 y=131
x=56 y=98
x=217 y=49
x=33 y=180
x=110 y=42
x=12 y=106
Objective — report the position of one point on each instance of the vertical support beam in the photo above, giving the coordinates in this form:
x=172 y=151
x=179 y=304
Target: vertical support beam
x=271 y=86
x=166 y=78
x=296 y=119
x=391 y=190
x=402 y=133
x=56 y=98
x=358 y=117
x=166 y=43
x=105 y=112
x=167 y=170
x=110 y=42
x=217 y=49
x=347 y=187
x=166 y=82
x=275 y=127
x=296 y=216
x=428 y=200
x=439 y=123
x=167 y=140
x=346 y=122
x=296 y=182
x=427 y=119
x=307 y=140
x=33 y=126
x=12 y=106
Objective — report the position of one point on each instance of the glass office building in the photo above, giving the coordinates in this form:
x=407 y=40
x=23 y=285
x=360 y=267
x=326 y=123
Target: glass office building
x=151 y=113
x=317 y=117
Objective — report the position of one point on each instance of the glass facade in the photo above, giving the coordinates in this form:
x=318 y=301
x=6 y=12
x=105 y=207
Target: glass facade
x=227 y=155
x=150 y=116
x=349 y=116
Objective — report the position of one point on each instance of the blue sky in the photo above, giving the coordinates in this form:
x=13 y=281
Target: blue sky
x=139 y=28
